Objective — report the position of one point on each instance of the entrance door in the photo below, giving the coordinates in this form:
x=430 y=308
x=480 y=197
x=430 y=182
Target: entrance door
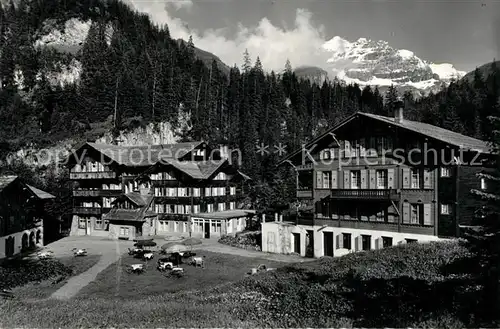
x=207 y=230
x=87 y=227
x=296 y=243
x=328 y=243
x=9 y=246
x=309 y=243
x=271 y=242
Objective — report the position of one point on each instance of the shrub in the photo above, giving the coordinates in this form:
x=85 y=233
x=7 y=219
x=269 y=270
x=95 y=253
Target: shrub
x=18 y=272
x=395 y=287
x=245 y=240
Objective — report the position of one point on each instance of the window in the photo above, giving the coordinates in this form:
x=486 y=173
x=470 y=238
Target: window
x=445 y=209
x=445 y=172
x=176 y=226
x=181 y=191
x=327 y=178
x=210 y=208
x=196 y=192
x=484 y=185
x=411 y=240
x=196 y=209
x=124 y=231
x=354 y=148
x=82 y=223
x=222 y=206
x=99 y=224
x=355 y=179
x=416 y=212
x=415 y=178
x=326 y=154
x=366 y=242
x=208 y=191
x=382 y=179
x=346 y=241
x=232 y=190
x=231 y=205
x=215 y=191
x=386 y=242
x=220 y=176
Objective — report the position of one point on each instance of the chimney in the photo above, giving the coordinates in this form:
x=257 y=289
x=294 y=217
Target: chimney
x=275 y=216
x=281 y=218
x=398 y=115
x=263 y=218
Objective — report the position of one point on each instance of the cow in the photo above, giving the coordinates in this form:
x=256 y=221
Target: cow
x=148 y=256
x=162 y=266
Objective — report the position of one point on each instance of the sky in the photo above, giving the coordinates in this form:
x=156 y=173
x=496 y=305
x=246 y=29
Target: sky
x=463 y=33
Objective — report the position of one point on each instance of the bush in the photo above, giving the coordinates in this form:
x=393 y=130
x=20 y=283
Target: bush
x=18 y=272
x=245 y=240
x=395 y=287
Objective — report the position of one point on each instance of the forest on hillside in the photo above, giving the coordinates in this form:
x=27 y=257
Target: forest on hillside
x=138 y=73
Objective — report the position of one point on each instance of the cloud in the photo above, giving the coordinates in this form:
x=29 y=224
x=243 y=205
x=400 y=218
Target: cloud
x=181 y=4
x=301 y=43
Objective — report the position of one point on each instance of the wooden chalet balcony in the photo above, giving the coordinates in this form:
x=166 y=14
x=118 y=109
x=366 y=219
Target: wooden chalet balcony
x=92 y=175
x=176 y=217
x=304 y=194
x=87 y=211
x=97 y=193
x=365 y=194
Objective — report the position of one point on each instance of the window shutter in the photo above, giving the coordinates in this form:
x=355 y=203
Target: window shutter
x=364 y=179
x=427 y=179
x=378 y=243
x=373 y=179
x=406 y=177
x=359 y=243
x=338 y=241
x=319 y=179
x=390 y=178
x=346 y=179
x=318 y=207
x=335 y=174
x=427 y=214
x=406 y=212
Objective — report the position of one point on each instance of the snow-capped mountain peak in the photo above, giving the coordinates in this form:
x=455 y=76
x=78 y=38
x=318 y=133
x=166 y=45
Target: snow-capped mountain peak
x=369 y=62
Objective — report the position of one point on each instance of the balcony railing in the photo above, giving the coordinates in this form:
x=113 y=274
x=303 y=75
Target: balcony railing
x=87 y=211
x=97 y=193
x=92 y=175
x=388 y=194
x=303 y=194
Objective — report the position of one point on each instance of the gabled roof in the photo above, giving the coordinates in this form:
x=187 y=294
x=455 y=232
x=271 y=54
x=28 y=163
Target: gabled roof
x=142 y=156
x=196 y=170
x=140 y=214
x=463 y=142
x=135 y=215
x=137 y=198
x=40 y=194
x=6 y=181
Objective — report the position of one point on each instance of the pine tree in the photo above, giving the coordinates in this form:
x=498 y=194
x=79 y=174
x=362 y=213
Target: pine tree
x=484 y=240
x=392 y=101
x=247 y=64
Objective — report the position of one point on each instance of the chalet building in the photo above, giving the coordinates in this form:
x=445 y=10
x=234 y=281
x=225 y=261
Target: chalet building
x=372 y=181
x=21 y=216
x=125 y=192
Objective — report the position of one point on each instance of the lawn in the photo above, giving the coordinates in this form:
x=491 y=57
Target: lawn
x=121 y=299
x=414 y=285
x=50 y=282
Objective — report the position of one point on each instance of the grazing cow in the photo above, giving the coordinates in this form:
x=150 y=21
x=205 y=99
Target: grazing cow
x=199 y=260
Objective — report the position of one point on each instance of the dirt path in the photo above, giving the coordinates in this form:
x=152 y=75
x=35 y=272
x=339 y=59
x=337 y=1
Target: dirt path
x=215 y=246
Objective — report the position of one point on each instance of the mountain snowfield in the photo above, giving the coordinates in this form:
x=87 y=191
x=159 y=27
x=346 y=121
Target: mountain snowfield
x=376 y=63
x=364 y=61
